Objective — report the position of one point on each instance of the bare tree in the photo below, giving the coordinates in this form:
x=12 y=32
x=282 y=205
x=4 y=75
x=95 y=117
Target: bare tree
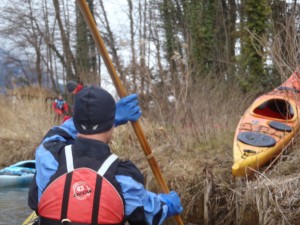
x=110 y=40
x=33 y=27
x=133 y=64
x=143 y=71
x=69 y=57
x=25 y=35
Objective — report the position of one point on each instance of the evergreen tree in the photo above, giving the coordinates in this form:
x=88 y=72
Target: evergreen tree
x=200 y=17
x=255 y=17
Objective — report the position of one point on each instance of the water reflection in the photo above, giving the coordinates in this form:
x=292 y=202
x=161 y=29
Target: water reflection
x=13 y=206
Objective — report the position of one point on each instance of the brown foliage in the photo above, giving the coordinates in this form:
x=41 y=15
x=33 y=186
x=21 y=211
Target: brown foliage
x=31 y=92
x=199 y=137
x=23 y=123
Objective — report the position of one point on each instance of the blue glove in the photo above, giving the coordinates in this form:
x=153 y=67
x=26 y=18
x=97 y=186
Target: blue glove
x=127 y=109
x=172 y=200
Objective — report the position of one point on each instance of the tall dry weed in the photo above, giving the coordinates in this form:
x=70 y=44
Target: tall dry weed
x=197 y=138
x=23 y=124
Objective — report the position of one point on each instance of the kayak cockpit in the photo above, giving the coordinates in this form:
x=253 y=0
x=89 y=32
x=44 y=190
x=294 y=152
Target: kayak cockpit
x=27 y=164
x=21 y=168
x=275 y=109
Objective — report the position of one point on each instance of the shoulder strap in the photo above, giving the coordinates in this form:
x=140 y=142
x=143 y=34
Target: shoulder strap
x=107 y=163
x=69 y=158
x=102 y=170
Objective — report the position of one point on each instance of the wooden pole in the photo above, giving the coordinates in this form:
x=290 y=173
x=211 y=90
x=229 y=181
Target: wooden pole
x=122 y=93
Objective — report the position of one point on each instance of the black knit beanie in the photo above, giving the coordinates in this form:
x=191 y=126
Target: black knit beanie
x=94 y=110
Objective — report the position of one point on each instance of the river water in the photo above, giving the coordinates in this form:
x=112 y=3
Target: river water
x=13 y=206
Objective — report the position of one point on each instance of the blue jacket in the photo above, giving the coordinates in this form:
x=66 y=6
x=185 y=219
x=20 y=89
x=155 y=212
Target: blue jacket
x=141 y=205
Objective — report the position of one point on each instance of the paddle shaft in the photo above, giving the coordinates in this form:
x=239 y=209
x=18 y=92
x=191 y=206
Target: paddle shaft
x=30 y=219
x=122 y=93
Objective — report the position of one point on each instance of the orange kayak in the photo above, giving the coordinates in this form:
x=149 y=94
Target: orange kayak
x=267 y=127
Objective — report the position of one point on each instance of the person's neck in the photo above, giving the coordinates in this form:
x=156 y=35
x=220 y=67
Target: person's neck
x=103 y=137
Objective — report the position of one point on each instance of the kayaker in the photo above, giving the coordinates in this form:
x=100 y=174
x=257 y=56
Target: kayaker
x=60 y=107
x=80 y=146
x=74 y=87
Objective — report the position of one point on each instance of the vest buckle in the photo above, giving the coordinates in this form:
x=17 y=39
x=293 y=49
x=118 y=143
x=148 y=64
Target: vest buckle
x=65 y=221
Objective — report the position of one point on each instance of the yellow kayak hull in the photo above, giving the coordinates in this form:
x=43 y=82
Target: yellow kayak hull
x=267 y=127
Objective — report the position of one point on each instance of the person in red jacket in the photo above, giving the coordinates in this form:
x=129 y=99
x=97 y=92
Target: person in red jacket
x=60 y=107
x=74 y=87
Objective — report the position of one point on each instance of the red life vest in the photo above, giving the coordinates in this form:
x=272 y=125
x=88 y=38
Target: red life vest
x=83 y=196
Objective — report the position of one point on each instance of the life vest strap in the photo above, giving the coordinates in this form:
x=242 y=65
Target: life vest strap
x=102 y=170
x=107 y=163
x=69 y=158
x=66 y=194
x=47 y=221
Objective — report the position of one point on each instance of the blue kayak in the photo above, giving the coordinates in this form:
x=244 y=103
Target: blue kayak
x=17 y=175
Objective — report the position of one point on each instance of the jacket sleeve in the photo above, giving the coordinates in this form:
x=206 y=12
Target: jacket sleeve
x=46 y=157
x=141 y=205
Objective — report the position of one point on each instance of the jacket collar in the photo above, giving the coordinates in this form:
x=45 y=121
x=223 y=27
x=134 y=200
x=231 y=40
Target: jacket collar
x=84 y=147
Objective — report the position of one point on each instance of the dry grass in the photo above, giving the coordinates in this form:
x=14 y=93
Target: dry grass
x=23 y=123
x=198 y=137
